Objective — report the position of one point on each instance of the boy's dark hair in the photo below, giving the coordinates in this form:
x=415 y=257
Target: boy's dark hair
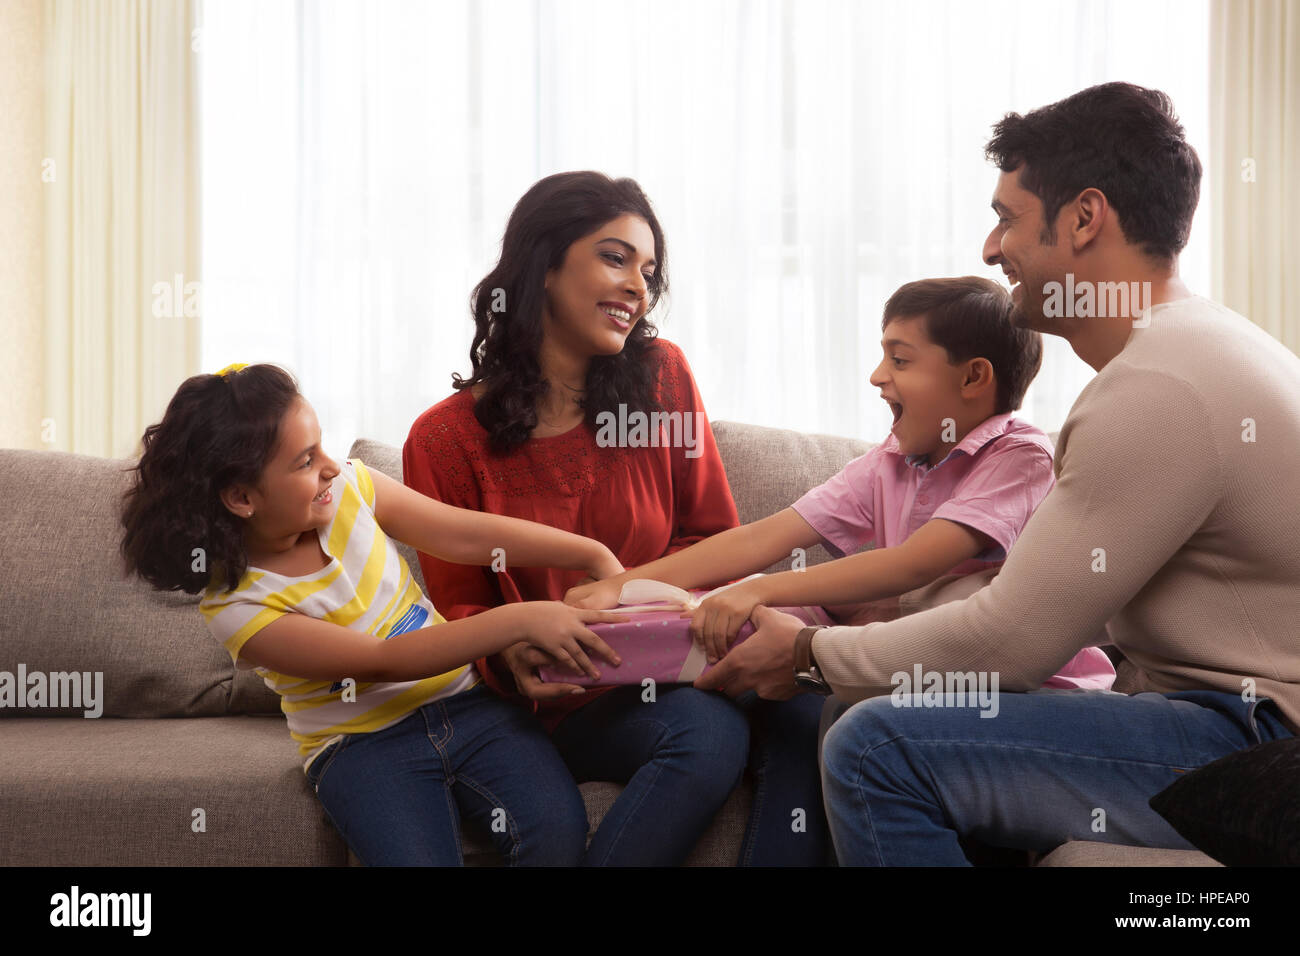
x=970 y=318
x=217 y=431
x=1122 y=139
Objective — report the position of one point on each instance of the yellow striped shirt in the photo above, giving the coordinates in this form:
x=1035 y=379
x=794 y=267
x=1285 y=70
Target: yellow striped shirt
x=368 y=587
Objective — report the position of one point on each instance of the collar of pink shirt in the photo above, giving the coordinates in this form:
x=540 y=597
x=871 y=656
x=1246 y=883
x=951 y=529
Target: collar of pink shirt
x=976 y=438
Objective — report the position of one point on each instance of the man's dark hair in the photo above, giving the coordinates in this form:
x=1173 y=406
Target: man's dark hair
x=970 y=318
x=1122 y=139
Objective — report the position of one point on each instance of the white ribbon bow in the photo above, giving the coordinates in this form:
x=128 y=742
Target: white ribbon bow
x=642 y=594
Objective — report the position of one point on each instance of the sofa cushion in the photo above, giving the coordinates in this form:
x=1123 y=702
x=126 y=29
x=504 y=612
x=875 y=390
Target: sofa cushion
x=66 y=605
x=1092 y=853
x=113 y=792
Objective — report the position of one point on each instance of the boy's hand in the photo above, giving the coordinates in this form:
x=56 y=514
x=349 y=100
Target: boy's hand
x=717 y=621
x=597 y=595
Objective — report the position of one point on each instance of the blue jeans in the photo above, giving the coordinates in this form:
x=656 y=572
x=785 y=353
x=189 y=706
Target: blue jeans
x=903 y=783
x=680 y=756
x=787 y=819
x=397 y=795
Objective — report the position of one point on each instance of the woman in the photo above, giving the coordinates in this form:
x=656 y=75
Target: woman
x=562 y=335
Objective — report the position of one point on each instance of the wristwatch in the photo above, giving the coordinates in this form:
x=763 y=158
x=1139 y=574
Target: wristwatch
x=807 y=675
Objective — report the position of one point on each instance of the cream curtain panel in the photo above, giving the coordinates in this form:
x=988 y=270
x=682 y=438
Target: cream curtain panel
x=1255 y=161
x=122 y=218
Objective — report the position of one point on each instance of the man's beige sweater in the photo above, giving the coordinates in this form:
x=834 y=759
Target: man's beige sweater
x=1196 y=525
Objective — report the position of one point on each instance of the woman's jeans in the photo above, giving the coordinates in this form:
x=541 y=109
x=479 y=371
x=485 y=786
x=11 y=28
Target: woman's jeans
x=397 y=795
x=902 y=784
x=680 y=756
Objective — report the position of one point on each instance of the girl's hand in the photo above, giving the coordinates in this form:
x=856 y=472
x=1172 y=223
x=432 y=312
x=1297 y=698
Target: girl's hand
x=596 y=595
x=562 y=632
x=717 y=621
x=604 y=566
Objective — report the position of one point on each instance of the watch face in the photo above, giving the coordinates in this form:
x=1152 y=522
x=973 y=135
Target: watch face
x=814 y=684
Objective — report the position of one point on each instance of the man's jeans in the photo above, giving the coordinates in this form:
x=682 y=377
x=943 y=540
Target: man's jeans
x=903 y=783
x=397 y=795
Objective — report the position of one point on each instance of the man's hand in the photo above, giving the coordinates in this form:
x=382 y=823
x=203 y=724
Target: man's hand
x=765 y=662
x=523 y=659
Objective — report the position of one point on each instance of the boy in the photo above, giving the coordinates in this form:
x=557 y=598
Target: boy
x=944 y=497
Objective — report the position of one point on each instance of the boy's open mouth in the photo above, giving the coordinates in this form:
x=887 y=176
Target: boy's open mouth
x=897 y=409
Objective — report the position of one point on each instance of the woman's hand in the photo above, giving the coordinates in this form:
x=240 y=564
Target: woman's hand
x=596 y=594
x=524 y=659
x=561 y=631
x=717 y=621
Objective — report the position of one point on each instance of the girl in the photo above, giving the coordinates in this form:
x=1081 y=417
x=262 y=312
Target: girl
x=564 y=336
x=399 y=736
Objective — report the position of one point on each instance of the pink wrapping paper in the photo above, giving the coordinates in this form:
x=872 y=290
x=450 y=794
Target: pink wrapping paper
x=657 y=644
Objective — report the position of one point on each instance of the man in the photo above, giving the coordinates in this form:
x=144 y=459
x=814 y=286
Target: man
x=1172 y=526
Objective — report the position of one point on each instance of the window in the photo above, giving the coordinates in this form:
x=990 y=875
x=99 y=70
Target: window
x=805 y=159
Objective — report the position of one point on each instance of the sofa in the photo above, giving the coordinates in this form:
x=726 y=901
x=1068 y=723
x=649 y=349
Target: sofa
x=190 y=762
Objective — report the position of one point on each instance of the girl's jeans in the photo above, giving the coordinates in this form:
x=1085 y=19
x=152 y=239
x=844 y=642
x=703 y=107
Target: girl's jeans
x=903 y=783
x=397 y=795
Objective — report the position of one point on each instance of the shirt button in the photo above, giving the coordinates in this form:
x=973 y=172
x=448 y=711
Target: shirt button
x=922 y=499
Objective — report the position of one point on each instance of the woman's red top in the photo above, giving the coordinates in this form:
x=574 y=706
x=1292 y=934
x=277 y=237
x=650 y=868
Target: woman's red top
x=641 y=502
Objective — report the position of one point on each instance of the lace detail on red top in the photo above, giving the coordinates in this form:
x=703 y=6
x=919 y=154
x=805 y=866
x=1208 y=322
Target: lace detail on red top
x=570 y=465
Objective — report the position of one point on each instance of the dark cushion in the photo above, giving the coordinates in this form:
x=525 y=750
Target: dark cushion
x=1242 y=809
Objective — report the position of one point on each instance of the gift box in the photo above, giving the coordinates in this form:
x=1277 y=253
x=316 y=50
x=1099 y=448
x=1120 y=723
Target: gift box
x=655 y=641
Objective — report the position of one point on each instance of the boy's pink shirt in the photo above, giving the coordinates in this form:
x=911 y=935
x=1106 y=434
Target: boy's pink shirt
x=991 y=481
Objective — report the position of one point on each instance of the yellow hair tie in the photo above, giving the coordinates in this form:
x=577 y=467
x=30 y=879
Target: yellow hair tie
x=232 y=367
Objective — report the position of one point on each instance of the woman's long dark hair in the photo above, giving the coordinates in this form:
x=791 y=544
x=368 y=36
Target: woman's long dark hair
x=551 y=216
x=217 y=431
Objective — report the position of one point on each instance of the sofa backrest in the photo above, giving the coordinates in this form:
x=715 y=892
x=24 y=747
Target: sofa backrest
x=67 y=606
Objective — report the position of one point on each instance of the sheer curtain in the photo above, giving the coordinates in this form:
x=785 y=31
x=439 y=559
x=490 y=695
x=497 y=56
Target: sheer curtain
x=805 y=159
x=121 y=252
x=1255 y=79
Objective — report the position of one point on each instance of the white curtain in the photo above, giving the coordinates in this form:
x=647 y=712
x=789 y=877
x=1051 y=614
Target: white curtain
x=122 y=219
x=804 y=158
x=1255 y=111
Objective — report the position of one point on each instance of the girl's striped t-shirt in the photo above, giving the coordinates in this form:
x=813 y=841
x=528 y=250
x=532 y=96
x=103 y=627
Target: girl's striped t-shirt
x=368 y=587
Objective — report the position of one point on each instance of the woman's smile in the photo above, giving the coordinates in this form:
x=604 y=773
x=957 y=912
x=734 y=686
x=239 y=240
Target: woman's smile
x=618 y=313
